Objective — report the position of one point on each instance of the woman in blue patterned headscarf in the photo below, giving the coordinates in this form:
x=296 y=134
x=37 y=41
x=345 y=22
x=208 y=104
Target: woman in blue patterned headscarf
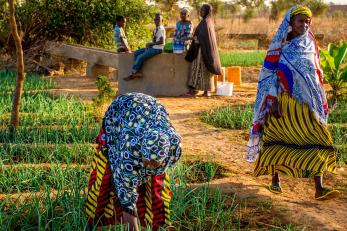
x=137 y=143
x=289 y=133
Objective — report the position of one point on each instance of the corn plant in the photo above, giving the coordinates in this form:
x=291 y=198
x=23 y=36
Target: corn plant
x=333 y=61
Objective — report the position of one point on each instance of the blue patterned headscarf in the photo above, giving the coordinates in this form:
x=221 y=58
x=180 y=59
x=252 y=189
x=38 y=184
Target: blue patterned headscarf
x=293 y=67
x=155 y=145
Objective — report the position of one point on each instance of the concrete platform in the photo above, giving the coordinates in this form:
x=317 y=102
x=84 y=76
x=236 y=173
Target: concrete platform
x=163 y=75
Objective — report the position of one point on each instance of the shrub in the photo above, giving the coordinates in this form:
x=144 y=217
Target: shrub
x=333 y=61
x=83 y=22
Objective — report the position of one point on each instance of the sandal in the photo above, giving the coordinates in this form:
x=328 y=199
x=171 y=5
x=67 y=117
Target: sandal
x=133 y=76
x=274 y=188
x=130 y=77
x=327 y=194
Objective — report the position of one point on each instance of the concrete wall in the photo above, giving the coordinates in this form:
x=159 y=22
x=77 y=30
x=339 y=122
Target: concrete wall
x=163 y=75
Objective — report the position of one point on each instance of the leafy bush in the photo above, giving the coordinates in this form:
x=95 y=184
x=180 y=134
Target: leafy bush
x=333 y=61
x=84 y=22
x=105 y=91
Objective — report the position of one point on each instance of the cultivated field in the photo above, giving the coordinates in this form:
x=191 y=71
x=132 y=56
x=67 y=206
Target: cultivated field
x=44 y=167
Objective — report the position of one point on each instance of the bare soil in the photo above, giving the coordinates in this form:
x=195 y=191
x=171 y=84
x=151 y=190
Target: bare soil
x=259 y=208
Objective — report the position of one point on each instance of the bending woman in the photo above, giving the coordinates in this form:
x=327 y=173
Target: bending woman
x=289 y=130
x=136 y=145
x=207 y=62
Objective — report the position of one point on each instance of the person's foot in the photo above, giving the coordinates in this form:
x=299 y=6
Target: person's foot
x=190 y=94
x=133 y=76
x=128 y=78
x=275 y=188
x=137 y=74
x=207 y=94
x=326 y=194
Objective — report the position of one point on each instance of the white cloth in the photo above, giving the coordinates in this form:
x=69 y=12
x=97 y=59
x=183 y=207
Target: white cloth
x=158 y=33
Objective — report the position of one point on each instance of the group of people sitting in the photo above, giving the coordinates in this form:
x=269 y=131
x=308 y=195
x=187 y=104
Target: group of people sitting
x=203 y=52
x=137 y=142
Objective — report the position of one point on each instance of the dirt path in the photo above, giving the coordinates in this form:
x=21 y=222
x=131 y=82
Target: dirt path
x=227 y=147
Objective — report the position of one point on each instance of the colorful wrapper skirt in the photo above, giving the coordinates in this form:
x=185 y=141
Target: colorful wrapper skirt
x=103 y=208
x=296 y=144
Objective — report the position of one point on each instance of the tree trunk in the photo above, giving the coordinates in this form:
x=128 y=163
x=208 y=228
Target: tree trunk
x=20 y=68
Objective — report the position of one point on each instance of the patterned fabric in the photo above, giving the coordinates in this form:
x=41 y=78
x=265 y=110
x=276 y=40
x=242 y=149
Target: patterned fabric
x=137 y=127
x=119 y=37
x=301 y=10
x=103 y=206
x=182 y=32
x=292 y=67
x=201 y=78
x=296 y=144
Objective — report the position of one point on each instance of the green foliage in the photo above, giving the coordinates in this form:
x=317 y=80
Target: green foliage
x=84 y=22
x=229 y=117
x=254 y=58
x=333 y=62
x=168 y=47
x=248 y=14
x=106 y=93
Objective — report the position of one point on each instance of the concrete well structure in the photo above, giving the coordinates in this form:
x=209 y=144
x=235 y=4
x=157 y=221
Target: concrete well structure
x=165 y=74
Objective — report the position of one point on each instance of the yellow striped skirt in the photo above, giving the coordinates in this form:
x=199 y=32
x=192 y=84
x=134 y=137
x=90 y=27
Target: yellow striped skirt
x=296 y=144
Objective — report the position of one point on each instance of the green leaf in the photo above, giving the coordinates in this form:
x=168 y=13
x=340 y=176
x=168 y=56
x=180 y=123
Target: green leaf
x=341 y=56
x=333 y=49
x=327 y=61
x=343 y=75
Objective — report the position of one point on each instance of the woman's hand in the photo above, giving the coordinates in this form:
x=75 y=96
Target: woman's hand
x=151 y=164
x=131 y=221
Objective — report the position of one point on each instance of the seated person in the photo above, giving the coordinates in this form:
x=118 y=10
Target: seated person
x=119 y=35
x=183 y=32
x=153 y=48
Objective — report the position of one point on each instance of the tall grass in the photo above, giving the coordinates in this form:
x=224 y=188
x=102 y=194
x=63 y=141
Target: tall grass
x=232 y=117
x=32 y=82
x=338 y=120
x=245 y=59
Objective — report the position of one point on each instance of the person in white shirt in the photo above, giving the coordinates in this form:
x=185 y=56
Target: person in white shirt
x=153 y=48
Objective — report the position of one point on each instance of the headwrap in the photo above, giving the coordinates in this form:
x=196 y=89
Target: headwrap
x=185 y=10
x=304 y=10
x=289 y=66
x=206 y=35
x=155 y=145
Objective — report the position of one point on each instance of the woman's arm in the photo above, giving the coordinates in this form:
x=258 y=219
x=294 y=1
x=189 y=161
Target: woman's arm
x=131 y=221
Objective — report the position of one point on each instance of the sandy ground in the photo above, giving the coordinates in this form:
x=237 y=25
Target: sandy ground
x=227 y=147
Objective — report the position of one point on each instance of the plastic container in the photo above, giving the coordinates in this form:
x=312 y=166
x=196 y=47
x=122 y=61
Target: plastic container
x=219 y=78
x=225 y=89
x=234 y=75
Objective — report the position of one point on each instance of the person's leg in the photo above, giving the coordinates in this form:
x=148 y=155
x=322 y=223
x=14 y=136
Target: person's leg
x=275 y=179
x=318 y=181
x=148 y=53
x=139 y=52
x=275 y=186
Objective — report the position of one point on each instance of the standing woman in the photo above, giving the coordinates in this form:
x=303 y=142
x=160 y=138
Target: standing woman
x=183 y=32
x=206 y=63
x=289 y=130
